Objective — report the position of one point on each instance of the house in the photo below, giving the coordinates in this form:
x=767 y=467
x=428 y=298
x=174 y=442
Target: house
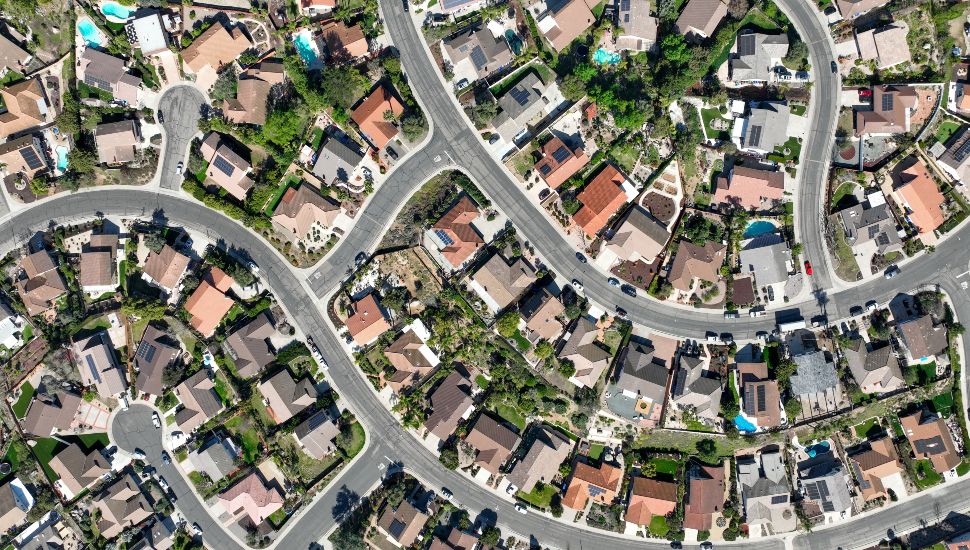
x=456 y=540
x=48 y=414
x=199 y=401
x=766 y=259
x=891 y=109
x=851 y=9
x=366 y=320
x=98 y=365
x=312 y=8
x=215 y=47
x=750 y=188
x=249 y=105
x=765 y=128
x=956 y=160
x=121 y=505
x=455 y=236
x=640 y=375
x=870 y=224
x=541 y=312
x=825 y=484
x=602 y=197
x=877 y=469
x=149 y=34
x=597 y=483
x=270 y=69
x=97 y=266
x=521 y=105
x=704 y=496
x=547 y=451
x=344 y=43
x=638 y=29
x=403 y=524
x=493 y=442
x=317 y=435
x=109 y=74
x=165 y=268
x=649 y=498
x=755 y=57
x=931 y=440
x=760 y=396
x=216 y=457
x=876 y=370
x=959 y=542
x=155 y=353
x=250 y=347
x=564 y=22
x=959 y=99
x=451 y=402
x=209 y=303
x=499 y=283
x=116 y=141
x=765 y=493
x=696 y=262
x=923 y=338
x=12 y=328
x=696 y=389
x=918 y=195
x=337 y=160
x=476 y=52
x=227 y=169
x=13 y=57
x=700 y=19
x=410 y=356
x=302 y=211
x=39 y=283
x=160 y=535
x=371 y=116
x=253 y=498
x=286 y=396
x=25 y=157
x=814 y=374
x=559 y=162
x=26 y=107
x=587 y=354
x=50 y=532
x=15 y=502
x=887 y=45
x=78 y=469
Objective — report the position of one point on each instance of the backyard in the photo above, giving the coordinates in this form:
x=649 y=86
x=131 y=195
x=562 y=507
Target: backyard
x=867 y=429
x=945 y=130
x=27 y=392
x=709 y=115
x=248 y=437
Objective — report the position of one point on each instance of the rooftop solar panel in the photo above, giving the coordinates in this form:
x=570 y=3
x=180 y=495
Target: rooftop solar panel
x=397 y=528
x=595 y=491
x=545 y=169
x=478 y=58
x=762 y=400
x=962 y=151
x=561 y=154
x=754 y=137
x=521 y=95
x=779 y=499
x=624 y=5
x=97 y=82
x=223 y=165
x=95 y=375
x=887 y=102
x=746 y=44
x=146 y=351
x=444 y=237
x=30 y=157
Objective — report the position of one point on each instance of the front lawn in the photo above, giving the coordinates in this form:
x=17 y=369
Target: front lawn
x=943 y=404
x=798 y=110
x=358 y=441
x=511 y=415
x=277 y=518
x=658 y=526
x=27 y=392
x=924 y=476
x=794 y=148
x=841 y=193
x=540 y=497
x=963 y=468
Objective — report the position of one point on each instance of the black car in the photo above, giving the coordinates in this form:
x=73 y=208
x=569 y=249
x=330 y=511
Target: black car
x=835 y=67
x=629 y=290
x=580 y=257
x=407 y=6
x=620 y=312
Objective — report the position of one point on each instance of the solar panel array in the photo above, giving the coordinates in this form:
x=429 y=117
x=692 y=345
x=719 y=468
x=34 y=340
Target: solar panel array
x=146 y=351
x=749 y=404
x=962 y=151
x=521 y=95
x=30 y=157
x=545 y=169
x=478 y=57
x=887 y=102
x=561 y=154
x=95 y=375
x=624 y=5
x=397 y=528
x=754 y=137
x=595 y=491
x=97 y=82
x=779 y=499
x=746 y=44
x=223 y=165
x=444 y=237
x=762 y=400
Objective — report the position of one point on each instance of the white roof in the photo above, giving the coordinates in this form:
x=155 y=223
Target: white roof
x=151 y=37
x=876 y=199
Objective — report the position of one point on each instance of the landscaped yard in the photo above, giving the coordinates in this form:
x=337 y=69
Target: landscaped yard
x=845 y=265
x=708 y=116
x=540 y=496
x=794 y=148
x=943 y=404
x=481 y=381
x=595 y=451
x=248 y=437
x=798 y=110
x=45 y=450
x=27 y=392
x=841 y=192
x=666 y=466
x=658 y=526
x=612 y=339
x=946 y=129
x=924 y=475
x=358 y=442
x=868 y=428
x=509 y=414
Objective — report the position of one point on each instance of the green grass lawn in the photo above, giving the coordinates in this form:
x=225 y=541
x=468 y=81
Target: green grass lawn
x=697 y=426
x=946 y=129
x=27 y=392
x=316 y=137
x=86 y=91
x=658 y=526
x=511 y=415
x=45 y=450
x=249 y=439
x=963 y=468
x=521 y=342
x=221 y=386
x=596 y=451
x=709 y=115
x=540 y=497
x=845 y=266
x=868 y=428
x=666 y=466
x=10 y=77
x=289 y=181
x=358 y=442
x=481 y=381
x=943 y=404
x=842 y=192
x=598 y=9
x=897 y=427
x=924 y=475
x=926 y=372
x=92 y=440
x=277 y=518
x=798 y=110
x=794 y=151
x=626 y=155
x=612 y=339
x=28 y=334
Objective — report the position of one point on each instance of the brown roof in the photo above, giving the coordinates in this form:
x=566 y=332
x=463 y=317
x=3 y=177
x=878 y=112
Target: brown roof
x=693 y=261
x=541 y=312
x=931 y=439
x=888 y=114
x=249 y=105
x=405 y=355
x=98 y=364
x=541 y=463
x=199 y=400
x=227 y=168
x=449 y=402
x=701 y=18
x=559 y=162
x=154 y=354
x=742 y=291
x=78 y=469
x=26 y=107
x=601 y=198
x=270 y=69
x=876 y=461
x=369 y=116
x=763 y=405
x=572 y=20
x=317 y=434
x=403 y=524
x=116 y=141
x=250 y=348
x=457 y=540
x=49 y=413
x=166 y=267
x=705 y=496
x=456 y=224
x=921 y=195
x=301 y=208
x=215 y=47
x=851 y=9
x=41 y=282
x=122 y=505
x=923 y=337
x=366 y=321
x=15 y=152
x=493 y=441
x=344 y=43
x=209 y=303
x=606 y=477
x=750 y=188
x=504 y=282
x=648 y=498
x=252 y=497
x=287 y=396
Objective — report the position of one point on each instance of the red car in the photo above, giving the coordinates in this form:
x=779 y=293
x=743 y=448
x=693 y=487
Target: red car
x=808 y=267
x=865 y=94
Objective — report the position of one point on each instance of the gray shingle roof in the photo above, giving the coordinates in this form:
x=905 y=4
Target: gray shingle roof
x=336 y=160
x=766 y=258
x=767 y=127
x=754 y=54
x=814 y=374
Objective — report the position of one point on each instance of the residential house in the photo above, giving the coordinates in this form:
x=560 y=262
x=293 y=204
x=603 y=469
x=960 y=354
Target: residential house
x=876 y=370
x=765 y=129
x=750 y=188
x=696 y=262
x=215 y=47
x=313 y=8
x=755 y=57
x=12 y=328
x=456 y=540
x=403 y=524
x=649 y=498
x=286 y=396
x=160 y=535
x=77 y=469
x=13 y=57
x=411 y=357
x=199 y=401
x=317 y=435
x=344 y=43
x=564 y=22
x=851 y=9
x=522 y=104
x=585 y=351
x=116 y=141
x=98 y=365
x=121 y=505
x=559 y=161
x=638 y=29
x=825 y=484
x=641 y=375
x=923 y=338
x=887 y=45
x=700 y=19
x=455 y=236
x=15 y=501
x=366 y=320
x=51 y=533
x=253 y=498
x=451 y=402
x=337 y=160
x=765 y=493
x=959 y=542
x=48 y=414
x=870 y=225
x=303 y=212
x=250 y=347
x=599 y=484
x=766 y=259
x=814 y=374
x=97 y=266
x=547 y=451
x=696 y=389
x=760 y=396
x=602 y=197
x=216 y=457
x=891 y=109
x=956 y=160
x=877 y=469
x=165 y=268
x=918 y=195
x=499 y=283
x=371 y=116
x=155 y=353
x=249 y=105
x=704 y=496
x=149 y=33
x=227 y=169
x=108 y=74
x=39 y=283
x=26 y=107
x=931 y=440
x=270 y=69
x=25 y=157
x=542 y=312
x=475 y=53
x=209 y=303
x=958 y=99
x=493 y=442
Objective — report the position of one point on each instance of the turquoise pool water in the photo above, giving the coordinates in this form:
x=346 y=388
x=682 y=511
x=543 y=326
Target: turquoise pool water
x=61 y=157
x=818 y=448
x=90 y=32
x=604 y=57
x=758 y=228
x=744 y=425
x=306 y=47
x=115 y=9
x=515 y=44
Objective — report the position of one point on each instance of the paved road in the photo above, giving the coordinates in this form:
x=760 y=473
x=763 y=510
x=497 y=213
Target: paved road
x=180 y=108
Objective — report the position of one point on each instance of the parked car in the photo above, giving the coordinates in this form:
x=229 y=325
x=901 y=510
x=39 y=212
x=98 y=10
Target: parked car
x=865 y=94
x=891 y=271
x=712 y=337
x=390 y=150
x=613 y=281
x=757 y=312
x=179 y=167
x=253 y=267
x=871 y=306
x=581 y=257
x=808 y=267
x=156 y=420
x=138 y=454
x=163 y=484
x=166 y=458
x=620 y=312
x=708 y=545
x=629 y=290
x=196 y=530
x=577 y=286
x=855 y=311
x=447 y=494
x=407 y=6
x=835 y=69
x=511 y=489
x=520 y=508
x=732 y=315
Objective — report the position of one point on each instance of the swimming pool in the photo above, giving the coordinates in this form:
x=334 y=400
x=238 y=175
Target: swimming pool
x=116 y=10
x=604 y=57
x=744 y=425
x=90 y=32
x=306 y=46
x=61 y=157
x=819 y=448
x=758 y=228
x=515 y=44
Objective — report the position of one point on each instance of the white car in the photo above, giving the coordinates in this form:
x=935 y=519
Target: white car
x=162 y=483
x=578 y=286
x=511 y=489
x=253 y=267
x=138 y=454
x=156 y=420
x=520 y=508
x=196 y=530
x=318 y=357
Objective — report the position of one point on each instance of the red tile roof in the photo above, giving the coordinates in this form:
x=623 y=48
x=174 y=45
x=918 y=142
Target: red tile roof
x=369 y=116
x=601 y=198
x=456 y=224
x=367 y=320
x=555 y=171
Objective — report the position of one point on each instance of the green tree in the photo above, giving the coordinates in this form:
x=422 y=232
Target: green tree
x=225 y=85
x=508 y=324
x=82 y=160
x=449 y=457
x=544 y=349
x=674 y=49
x=413 y=126
x=793 y=408
x=490 y=536
x=707 y=450
x=143 y=308
x=573 y=87
x=154 y=242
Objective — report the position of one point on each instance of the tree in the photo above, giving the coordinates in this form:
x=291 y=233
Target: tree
x=449 y=457
x=508 y=324
x=544 y=349
x=737 y=9
x=413 y=126
x=573 y=87
x=555 y=506
x=143 y=308
x=225 y=85
x=154 y=242
x=793 y=408
x=490 y=536
x=673 y=49
x=82 y=160
x=707 y=450
x=482 y=113
x=390 y=116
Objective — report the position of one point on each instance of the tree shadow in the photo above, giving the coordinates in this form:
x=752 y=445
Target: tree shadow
x=346 y=502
